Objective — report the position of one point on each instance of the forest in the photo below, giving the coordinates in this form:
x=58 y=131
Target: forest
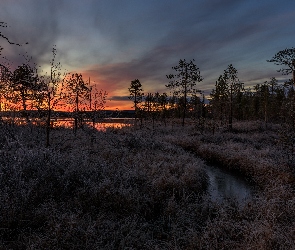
x=145 y=185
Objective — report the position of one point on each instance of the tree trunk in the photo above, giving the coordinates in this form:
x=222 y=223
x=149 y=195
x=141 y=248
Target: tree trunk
x=76 y=116
x=48 y=120
x=230 y=120
x=185 y=95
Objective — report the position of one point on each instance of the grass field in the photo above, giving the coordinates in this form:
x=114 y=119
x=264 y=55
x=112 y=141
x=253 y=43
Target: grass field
x=142 y=188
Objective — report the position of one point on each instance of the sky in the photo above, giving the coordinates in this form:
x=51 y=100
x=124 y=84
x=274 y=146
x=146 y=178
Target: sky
x=116 y=41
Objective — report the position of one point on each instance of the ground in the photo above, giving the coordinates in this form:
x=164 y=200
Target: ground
x=142 y=188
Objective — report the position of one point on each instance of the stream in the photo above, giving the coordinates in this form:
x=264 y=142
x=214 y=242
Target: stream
x=224 y=185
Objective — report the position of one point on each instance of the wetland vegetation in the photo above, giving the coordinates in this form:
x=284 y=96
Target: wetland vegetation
x=143 y=188
x=147 y=185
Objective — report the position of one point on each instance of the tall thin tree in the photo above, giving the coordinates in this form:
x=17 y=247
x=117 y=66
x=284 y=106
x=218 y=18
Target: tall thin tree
x=136 y=95
x=184 y=82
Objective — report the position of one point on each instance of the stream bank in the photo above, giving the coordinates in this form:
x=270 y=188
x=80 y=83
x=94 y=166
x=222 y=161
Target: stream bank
x=224 y=185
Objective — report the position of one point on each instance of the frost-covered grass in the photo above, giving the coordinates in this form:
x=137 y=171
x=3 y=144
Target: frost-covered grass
x=250 y=150
x=141 y=189
x=255 y=152
x=96 y=190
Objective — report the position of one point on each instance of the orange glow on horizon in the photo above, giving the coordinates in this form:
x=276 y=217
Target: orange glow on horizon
x=110 y=105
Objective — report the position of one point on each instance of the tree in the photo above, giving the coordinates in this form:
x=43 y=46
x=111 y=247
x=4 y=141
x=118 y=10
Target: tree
x=97 y=101
x=263 y=95
x=196 y=106
x=25 y=84
x=228 y=93
x=155 y=107
x=219 y=99
x=164 y=102
x=5 y=71
x=77 y=92
x=4 y=25
x=234 y=88
x=5 y=75
x=136 y=94
x=286 y=58
x=148 y=99
x=274 y=96
x=247 y=104
x=50 y=95
x=184 y=85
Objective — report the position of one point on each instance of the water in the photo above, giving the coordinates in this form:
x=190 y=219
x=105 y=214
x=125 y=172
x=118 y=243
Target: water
x=69 y=122
x=224 y=185
x=103 y=125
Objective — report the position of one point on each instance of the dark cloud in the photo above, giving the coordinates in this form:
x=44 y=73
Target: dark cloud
x=33 y=22
x=120 y=98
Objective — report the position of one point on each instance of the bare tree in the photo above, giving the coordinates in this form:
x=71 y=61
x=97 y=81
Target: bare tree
x=97 y=101
x=51 y=96
x=4 y=25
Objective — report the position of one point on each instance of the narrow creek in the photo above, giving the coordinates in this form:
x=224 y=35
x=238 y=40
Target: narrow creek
x=224 y=185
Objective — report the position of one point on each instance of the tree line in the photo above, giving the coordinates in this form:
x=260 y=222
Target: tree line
x=25 y=88
x=270 y=101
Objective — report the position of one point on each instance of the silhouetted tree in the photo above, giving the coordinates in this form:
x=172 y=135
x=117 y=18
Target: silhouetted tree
x=156 y=107
x=219 y=99
x=188 y=74
x=5 y=71
x=97 y=101
x=164 y=103
x=5 y=75
x=273 y=99
x=50 y=95
x=25 y=84
x=195 y=107
x=136 y=94
x=227 y=94
x=286 y=58
x=234 y=87
x=77 y=92
x=148 y=99
x=4 y=25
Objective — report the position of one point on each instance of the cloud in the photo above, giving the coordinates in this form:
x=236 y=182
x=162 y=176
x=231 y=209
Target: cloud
x=120 y=98
x=114 y=42
x=33 y=22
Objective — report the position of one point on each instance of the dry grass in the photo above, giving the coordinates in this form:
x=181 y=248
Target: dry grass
x=141 y=189
x=254 y=152
x=112 y=190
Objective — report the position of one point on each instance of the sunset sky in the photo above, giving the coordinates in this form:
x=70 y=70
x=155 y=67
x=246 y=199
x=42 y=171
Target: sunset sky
x=115 y=42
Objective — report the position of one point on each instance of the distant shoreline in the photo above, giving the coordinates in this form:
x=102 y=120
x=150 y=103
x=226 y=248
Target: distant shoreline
x=63 y=114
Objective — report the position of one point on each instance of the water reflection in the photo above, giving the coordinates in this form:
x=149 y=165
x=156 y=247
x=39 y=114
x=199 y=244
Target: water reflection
x=102 y=125
x=224 y=185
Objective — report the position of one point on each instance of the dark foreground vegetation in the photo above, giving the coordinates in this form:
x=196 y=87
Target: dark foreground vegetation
x=142 y=188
